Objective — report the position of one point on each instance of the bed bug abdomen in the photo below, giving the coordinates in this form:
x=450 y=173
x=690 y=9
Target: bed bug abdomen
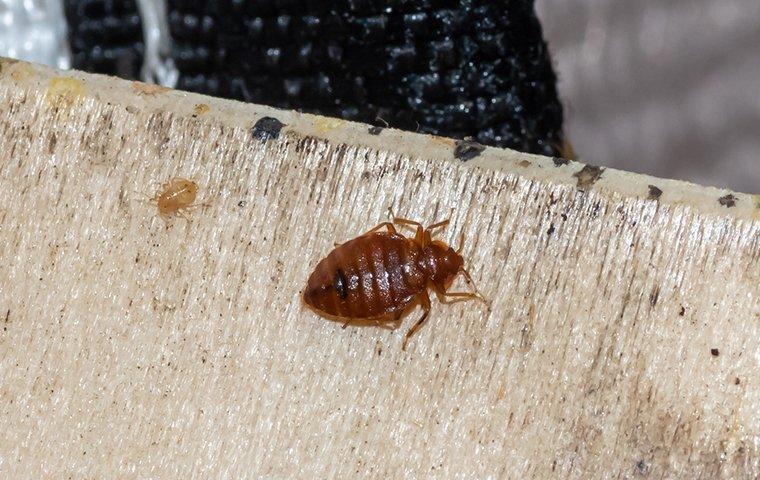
x=369 y=277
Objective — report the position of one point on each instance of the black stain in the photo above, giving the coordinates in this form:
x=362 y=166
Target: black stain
x=595 y=210
x=682 y=312
x=559 y=161
x=714 y=352
x=728 y=201
x=551 y=229
x=654 y=193
x=467 y=149
x=737 y=381
x=52 y=142
x=374 y=130
x=241 y=203
x=588 y=175
x=642 y=468
x=267 y=128
x=654 y=296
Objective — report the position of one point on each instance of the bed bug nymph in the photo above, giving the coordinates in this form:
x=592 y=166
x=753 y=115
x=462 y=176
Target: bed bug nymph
x=175 y=197
x=378 y=275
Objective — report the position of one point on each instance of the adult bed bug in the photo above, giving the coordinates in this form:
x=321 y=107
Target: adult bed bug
x=378 y=275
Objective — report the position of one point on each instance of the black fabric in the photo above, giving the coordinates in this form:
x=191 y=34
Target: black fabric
x=105 y=36
x=456 y=68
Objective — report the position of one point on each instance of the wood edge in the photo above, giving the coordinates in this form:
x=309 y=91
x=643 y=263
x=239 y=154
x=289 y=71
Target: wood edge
x=76 y=87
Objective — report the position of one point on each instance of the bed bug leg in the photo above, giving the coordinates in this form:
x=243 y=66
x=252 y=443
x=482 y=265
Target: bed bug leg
x=459 y=297
x=391 y=324
x=425 y=302
x=396 y=321
x=389 y=225
x=148 y=199
x=346 y=324
x=440 y=224
x=429 y=230
x=419 y=234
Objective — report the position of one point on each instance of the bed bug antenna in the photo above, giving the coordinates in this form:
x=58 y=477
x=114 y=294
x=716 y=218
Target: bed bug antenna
x=474 y=287
x=461 y=243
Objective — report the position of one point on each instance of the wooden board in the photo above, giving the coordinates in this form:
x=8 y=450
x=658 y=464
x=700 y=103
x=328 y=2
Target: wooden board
x=622 y=341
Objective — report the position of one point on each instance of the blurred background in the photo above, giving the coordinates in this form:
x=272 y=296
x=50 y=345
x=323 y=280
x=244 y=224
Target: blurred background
x=665 y=87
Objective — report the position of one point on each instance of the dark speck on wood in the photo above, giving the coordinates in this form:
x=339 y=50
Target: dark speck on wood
x=728 y=201
x=467 y=150
x=588 y=175
x=267 y=128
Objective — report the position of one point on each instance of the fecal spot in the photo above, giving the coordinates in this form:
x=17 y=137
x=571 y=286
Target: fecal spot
x=728 y=201
x=559 y=161
x=266 y=128
x=467 y=149
x=201 y=109
x=374 y=130
x=588 y=175
x=148 y=88
x=64 y=92
x=654 y=193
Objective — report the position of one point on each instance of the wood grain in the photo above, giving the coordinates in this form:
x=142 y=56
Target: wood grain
x=622 y=340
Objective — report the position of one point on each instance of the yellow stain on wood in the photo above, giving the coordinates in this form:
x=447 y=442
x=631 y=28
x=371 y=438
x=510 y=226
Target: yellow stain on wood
x=148 y=88
x=64 y=92
x=324 y=125
x=201 y=109
x=446 y=142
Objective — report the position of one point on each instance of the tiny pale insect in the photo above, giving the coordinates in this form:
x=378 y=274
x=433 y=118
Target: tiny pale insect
x=175 y=197
x=380 y=274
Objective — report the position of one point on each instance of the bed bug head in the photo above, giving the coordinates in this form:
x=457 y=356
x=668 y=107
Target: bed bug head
x=441 y=263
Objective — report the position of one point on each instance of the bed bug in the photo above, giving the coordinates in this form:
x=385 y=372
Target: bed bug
x=380 y=274
x=176 y=196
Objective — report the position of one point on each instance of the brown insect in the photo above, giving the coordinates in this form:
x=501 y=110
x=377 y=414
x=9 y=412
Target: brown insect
x=176 y=196
x=378 y=275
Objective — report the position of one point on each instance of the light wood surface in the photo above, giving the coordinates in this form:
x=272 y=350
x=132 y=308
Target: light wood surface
x=622 y=340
